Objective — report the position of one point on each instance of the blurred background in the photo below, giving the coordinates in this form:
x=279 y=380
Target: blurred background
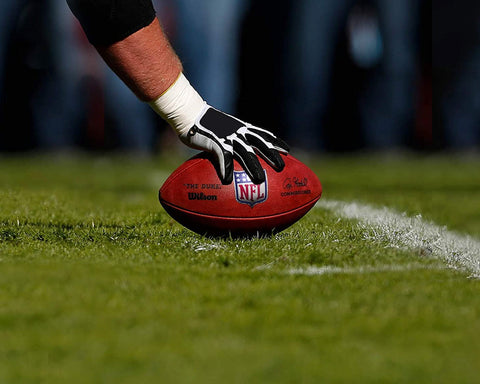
x=326 y=75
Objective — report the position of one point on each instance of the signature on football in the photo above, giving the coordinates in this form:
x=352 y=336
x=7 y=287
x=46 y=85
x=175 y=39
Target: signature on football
x=295 y=182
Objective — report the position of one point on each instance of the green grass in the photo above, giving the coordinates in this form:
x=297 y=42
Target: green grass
x=99 y=285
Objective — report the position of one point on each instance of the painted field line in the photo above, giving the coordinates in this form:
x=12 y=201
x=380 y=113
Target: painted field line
x=398 y=230
x=332 y=270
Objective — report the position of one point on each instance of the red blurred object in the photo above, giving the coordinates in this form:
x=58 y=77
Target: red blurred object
x=194 y=196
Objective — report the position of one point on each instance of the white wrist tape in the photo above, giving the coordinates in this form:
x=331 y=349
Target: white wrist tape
x=180 y=105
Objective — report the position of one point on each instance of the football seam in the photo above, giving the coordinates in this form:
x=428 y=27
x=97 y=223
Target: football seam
x=175 y=176
x=313 y=201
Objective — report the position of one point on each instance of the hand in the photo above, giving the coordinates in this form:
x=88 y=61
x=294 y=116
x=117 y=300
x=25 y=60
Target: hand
x=228 y=137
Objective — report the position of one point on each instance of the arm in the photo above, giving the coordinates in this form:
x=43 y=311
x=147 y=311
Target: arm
x=128 y=36
x=145 y=61
x=130 y=39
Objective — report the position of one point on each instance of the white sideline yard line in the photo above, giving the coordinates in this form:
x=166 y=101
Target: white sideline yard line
x=398 y=230
x=332 y=270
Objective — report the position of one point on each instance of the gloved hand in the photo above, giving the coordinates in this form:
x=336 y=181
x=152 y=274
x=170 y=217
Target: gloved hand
x=202 y=127
x=228 y=137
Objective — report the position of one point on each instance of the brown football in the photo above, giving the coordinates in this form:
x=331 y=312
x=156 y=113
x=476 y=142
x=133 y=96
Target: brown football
x=194 y=196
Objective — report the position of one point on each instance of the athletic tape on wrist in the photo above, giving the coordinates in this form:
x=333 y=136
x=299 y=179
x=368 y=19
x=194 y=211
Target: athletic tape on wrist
x=180 y=105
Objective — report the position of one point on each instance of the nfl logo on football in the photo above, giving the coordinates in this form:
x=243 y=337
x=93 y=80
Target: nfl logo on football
x=247 y=192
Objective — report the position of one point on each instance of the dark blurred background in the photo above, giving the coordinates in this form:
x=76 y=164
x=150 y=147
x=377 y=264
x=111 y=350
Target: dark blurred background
x=326 y=75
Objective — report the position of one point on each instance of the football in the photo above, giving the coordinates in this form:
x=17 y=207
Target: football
x=194 y=196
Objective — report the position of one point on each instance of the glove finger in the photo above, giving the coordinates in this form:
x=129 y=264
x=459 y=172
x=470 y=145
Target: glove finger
x=279 y=144
x=227 y=176
x=248 y=160
x=222 y=149
x=267 y=151
x=224 y=162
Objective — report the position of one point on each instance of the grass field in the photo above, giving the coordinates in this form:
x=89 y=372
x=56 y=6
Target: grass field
x=99 y=285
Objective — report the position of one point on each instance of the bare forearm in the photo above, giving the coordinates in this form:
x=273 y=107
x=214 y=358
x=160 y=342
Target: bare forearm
x=130 y=39
x=145 y=61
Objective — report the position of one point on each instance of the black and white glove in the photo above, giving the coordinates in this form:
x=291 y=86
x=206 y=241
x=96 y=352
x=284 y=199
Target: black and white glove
x=229 y=138
x=202 y=127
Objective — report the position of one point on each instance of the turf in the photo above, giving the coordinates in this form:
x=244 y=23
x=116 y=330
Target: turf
x=99 y=285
